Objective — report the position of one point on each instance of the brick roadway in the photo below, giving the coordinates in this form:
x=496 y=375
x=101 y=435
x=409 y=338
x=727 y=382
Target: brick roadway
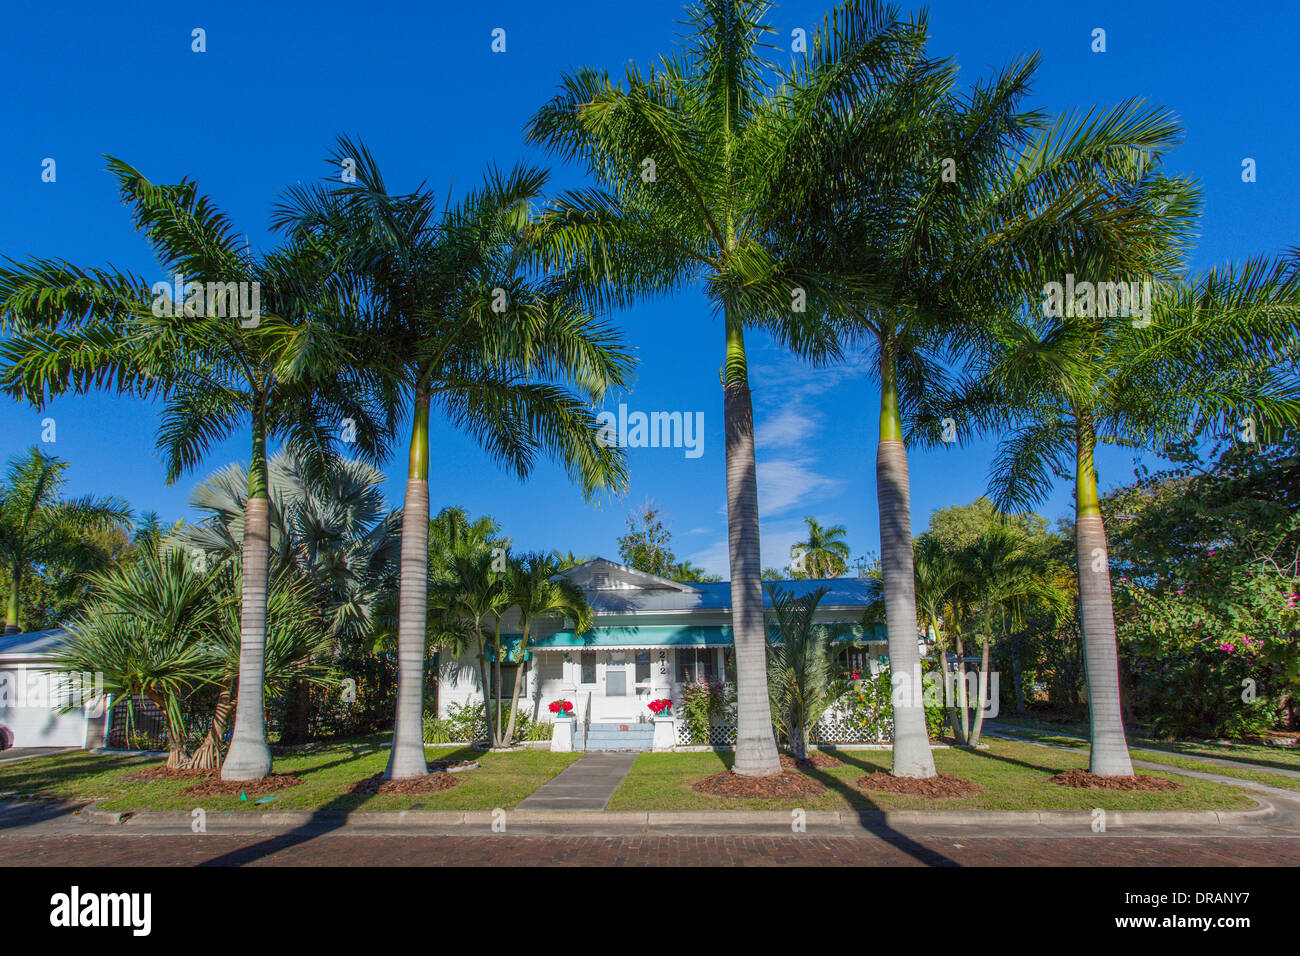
x=891 y=849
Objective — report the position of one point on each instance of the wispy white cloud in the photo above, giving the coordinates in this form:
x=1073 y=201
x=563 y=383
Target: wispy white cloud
x=788 y=483
x=788 y=428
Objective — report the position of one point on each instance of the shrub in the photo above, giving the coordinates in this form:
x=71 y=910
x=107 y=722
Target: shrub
x=703 y=702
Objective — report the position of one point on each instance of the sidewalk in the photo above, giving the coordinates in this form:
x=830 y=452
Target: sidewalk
x=585 y=785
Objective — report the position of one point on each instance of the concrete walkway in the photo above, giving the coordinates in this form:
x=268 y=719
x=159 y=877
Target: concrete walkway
x=586 y=784
x=14 y=754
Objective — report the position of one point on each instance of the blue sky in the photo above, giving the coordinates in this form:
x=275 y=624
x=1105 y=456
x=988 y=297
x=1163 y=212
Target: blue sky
x=419 y=83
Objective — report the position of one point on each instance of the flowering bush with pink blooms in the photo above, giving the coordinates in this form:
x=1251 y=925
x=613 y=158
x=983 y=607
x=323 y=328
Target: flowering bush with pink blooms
x=1205 y=562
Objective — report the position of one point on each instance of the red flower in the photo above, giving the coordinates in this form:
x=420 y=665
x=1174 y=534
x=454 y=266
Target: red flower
x=561 y=706
x=657 y=707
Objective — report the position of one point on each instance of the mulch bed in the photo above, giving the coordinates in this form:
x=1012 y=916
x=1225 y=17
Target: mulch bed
x=815 y=761
x=788 y=785
x=164 y=772
x=214 y=786
x=940 y=785
x=208 y=783
x=1091 y=781
x=430 y=783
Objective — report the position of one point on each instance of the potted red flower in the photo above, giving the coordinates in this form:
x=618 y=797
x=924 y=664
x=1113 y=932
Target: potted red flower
x=562 y=708
x=661 y=707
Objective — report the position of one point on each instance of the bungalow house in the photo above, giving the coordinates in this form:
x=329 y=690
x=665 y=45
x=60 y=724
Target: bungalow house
x=650 y=639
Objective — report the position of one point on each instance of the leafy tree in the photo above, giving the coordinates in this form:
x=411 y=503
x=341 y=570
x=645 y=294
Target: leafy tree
x=647 y=546
x=687 y=573
x=925 y=203
x=461 y=602
x=568 y=559
x=39 y=532
x=1211 y=353
x=1208 y=596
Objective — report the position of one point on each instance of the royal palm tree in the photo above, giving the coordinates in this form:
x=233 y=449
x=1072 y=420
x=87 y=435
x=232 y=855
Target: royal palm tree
x=691 y=162
x=932 y=204
x=38 y=529
x=824 y=554
x=458 y=316
x=538 y=592
x=1214 y=353
x=281 y=370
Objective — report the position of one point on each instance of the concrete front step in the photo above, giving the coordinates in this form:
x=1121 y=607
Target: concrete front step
x=622 y=735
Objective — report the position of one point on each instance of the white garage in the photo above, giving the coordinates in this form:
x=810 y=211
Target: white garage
x=32 y=697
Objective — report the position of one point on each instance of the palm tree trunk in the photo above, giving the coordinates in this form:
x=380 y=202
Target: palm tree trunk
x=208 y=756
x=948 y=697
x=963 y=697
x=406 y=759
x=484 y=672
x=14 y=605
x=509 y=736
x=175 y=735
x=249 y=757
x=982 y=697
x=912 y=757
x=1110 y=756
x=756 y=754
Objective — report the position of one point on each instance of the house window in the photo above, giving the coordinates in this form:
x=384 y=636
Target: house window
x=588 y=667
x=696 y=663
x=643 y=667
x=503 y=676
x=729 y=665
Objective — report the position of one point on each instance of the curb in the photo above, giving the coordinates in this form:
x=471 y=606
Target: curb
x=649 y=819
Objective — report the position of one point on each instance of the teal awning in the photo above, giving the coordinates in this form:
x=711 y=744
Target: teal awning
x=653 y=635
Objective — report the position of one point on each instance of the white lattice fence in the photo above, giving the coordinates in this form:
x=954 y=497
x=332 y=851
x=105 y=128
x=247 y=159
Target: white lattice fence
x=832 y=729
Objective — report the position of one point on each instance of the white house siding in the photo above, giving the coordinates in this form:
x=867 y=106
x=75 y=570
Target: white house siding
x=30 y=701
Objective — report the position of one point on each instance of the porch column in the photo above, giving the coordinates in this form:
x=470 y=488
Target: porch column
x=661 y=687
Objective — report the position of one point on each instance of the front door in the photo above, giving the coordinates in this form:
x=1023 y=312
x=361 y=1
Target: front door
x=619 y=698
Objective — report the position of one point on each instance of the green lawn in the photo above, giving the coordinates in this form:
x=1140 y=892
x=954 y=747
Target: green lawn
x=328 y=771
x=1179 y=753
x=1013 y=774
x=1284 y=758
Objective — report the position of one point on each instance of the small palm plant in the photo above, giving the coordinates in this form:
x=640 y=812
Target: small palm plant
x=824 y=554
x=538 y=591
x=153 y=632
x=799 y=665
